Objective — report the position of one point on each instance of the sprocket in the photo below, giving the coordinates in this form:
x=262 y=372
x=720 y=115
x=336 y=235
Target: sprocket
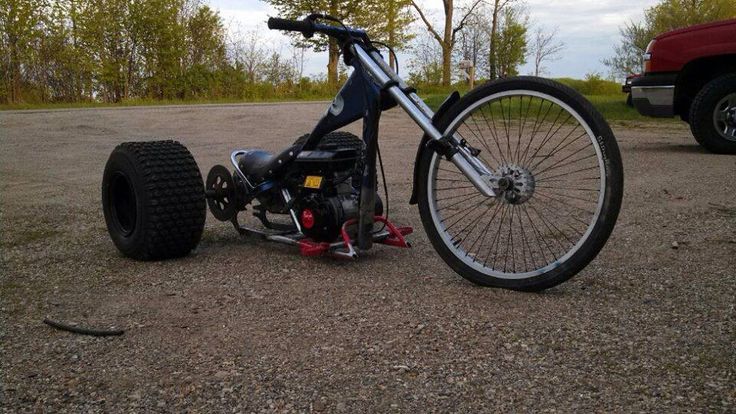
x=221 y=193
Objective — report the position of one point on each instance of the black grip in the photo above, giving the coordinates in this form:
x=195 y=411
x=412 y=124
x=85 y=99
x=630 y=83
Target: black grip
x=304 y=26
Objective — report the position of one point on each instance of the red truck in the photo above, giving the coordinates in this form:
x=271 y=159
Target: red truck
x=691 y=73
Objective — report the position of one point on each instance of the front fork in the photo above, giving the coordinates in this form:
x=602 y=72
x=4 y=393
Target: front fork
x=369 y=184
x=473 y=168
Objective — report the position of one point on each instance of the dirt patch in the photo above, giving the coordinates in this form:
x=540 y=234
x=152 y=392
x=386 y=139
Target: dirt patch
x=244 y=326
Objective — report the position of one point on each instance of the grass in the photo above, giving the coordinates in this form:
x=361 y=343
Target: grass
x=613 y=107
x=148 y=102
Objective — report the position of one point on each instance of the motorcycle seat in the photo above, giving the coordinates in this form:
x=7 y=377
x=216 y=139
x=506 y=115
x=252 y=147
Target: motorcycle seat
x=259 y=165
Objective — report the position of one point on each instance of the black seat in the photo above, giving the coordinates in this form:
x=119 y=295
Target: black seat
x=259 y=165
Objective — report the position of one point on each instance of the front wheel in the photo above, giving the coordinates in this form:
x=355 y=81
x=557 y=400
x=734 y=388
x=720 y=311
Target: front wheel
x=559 y=186
x=713 y=115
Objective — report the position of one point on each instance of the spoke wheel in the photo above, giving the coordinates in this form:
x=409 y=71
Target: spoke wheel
x=553 y=186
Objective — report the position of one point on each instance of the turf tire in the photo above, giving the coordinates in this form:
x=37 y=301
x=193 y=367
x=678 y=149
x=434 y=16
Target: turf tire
x=153 y=200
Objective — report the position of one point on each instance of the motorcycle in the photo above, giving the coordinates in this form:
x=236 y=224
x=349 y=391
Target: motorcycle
x=518 y=182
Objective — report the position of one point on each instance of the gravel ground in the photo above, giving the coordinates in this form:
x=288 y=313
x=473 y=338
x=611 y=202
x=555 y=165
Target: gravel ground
x=244 y=326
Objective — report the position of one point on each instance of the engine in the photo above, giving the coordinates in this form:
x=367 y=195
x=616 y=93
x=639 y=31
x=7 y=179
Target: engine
x=329 y=183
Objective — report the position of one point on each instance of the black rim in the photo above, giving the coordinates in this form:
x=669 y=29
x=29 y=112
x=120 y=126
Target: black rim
x=123 y=204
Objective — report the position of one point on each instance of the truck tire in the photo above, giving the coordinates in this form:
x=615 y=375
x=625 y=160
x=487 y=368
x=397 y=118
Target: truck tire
x=713 y=115
x=153 y=200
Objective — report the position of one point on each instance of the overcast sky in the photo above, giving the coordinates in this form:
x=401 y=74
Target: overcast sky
x=589 y=28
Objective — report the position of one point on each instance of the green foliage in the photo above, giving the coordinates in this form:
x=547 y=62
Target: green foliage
x=110 y=50
x=674 y=14
x=20 y=25
x=612 y=107
x=204 y=37
x=426 y=63
x=386 y=20
x=665 y=16
x=428 y=74
x=593 y=84
x=134 y=51
x=629 y=55
x=511 y=43
x=298 y=9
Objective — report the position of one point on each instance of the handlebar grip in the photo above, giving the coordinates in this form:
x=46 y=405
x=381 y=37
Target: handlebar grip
x=304 y=26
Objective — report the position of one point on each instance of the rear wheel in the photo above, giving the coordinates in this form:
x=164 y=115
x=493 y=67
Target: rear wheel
x=713 y=115
x=558 y=194
x=334 y=140
x=153 y=200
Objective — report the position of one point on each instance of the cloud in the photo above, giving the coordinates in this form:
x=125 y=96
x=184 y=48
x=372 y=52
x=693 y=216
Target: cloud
x=589 y=28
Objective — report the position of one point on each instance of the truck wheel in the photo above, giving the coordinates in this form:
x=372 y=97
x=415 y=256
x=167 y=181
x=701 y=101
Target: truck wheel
x=713 y=115
x=153 y=200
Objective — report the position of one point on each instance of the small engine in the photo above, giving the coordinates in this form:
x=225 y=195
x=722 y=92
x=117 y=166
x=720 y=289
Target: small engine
x=329 y=182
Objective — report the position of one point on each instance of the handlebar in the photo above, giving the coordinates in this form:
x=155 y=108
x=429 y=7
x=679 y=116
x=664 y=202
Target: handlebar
x=305 y=26
x=308 y=27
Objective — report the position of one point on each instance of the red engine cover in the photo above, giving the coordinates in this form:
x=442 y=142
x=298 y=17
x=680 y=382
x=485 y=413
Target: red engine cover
x=307 y=218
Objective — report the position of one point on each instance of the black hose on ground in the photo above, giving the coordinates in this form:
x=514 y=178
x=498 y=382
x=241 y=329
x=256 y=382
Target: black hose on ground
x=83 y=331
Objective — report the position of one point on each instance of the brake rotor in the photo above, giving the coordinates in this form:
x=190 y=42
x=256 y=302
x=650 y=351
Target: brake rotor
x=220 y=192
x=516 y=185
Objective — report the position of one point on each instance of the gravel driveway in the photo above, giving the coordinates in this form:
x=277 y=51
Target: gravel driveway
x=244 y=326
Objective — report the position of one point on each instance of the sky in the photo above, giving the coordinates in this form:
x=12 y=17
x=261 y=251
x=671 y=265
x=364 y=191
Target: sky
x=589 y=29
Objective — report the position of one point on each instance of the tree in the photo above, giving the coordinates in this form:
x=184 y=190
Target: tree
x=112 y=50
x=629 y=55
x=426 y=61
x=498 y=8
x=205 y=39
x=20 y=22
x=371 y=15
x=545 y=48
x=511 y=43
x=673 y=14
x=298 y=60
x=450 y=30
x=278 y=70
x=473 y=41
x=665 y=16
x=248 y=54
x=388 y=21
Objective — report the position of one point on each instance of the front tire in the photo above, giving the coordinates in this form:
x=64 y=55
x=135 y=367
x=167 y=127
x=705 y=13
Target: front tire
x=153 y=200
x=521 y=150
x=713 y=115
